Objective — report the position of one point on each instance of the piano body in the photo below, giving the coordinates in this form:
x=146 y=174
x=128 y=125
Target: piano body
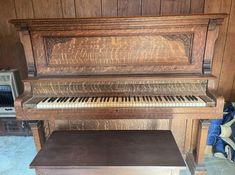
x=127 y=73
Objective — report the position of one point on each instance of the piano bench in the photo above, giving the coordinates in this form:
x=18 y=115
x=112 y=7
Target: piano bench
x=123 y=152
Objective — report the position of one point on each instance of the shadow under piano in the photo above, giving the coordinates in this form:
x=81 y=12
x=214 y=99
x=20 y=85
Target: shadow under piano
x=128 y=95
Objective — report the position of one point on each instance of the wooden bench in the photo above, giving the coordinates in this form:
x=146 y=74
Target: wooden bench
x=129 y=152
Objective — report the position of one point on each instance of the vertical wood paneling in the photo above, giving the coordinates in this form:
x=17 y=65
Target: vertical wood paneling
x=109 y=7
x=228 y=65
x=129 y=7
x=47 y=8
x=232 y=96
x=151 y=7
x=219 y=6
x=197 y=6
x=88 y=8
x=212 y=6
x=175 y=7
x=68 y=8
x=24 y=9
x=11 y=51
x=7 y=11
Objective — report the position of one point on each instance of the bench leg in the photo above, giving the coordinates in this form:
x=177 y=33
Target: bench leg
x=38 y=134
x=196 y=161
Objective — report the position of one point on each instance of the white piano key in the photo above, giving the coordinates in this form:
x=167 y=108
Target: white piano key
x=122 y=101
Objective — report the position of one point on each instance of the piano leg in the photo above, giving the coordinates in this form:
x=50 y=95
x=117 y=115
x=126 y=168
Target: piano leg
x=38 y=133
x=195 y=161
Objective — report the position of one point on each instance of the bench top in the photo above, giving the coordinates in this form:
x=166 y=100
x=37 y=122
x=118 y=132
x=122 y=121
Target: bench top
x=109 y=148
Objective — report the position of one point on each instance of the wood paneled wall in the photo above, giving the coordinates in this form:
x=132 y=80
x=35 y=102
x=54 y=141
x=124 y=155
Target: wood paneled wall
x=12 y=55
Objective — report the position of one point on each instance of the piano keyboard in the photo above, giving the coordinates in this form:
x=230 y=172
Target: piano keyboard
x=124 y=101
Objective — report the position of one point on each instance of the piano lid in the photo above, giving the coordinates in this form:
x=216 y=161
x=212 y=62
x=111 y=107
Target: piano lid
x=114 y=46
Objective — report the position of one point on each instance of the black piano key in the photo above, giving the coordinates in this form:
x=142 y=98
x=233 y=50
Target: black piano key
x=113 y=99
x=108 y=99
x=191 y=97
x=147 y=98
x=54 y=99
x=160 y=98
x=45 y=99
x=195 y=97
x=187 y=98
x=92 y=99
x=87 y=99
x=169 y=98
x=138 y=98
x=59 y=99
x=83 y=99
x=150 y=98
x=116 y=99
x=129 y=98
x=173 y=98
x=62 y=99
x=135 y=98
x=143 y=98
x=75 y=98
x=71 y=99
x=101 y=99
x=178 y=98
x=155 y=97
x=122 y=99
x=165 y=98
x=182 y=98
x=80 y=99
x=66 y=99
x=96 y=98
x=50 y=100
x=125 y=99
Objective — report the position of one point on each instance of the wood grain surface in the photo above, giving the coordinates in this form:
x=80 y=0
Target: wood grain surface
x=109 y=148
x=161 y=45
x=88 y=8
x=32 y=8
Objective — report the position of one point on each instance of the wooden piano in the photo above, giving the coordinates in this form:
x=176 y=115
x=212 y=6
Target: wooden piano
x=126 y=73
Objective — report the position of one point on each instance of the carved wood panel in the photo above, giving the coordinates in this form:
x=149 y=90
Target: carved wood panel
x=119 y=50
x=130 y=51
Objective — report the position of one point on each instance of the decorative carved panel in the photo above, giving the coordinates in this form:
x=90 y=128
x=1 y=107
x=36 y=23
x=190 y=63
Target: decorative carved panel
x=119 y=50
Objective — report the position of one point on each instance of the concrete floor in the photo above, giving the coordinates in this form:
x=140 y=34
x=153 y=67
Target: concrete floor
x=216 y=166
x=16 y=153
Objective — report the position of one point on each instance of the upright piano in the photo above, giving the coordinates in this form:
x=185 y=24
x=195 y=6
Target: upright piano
x=122 y=73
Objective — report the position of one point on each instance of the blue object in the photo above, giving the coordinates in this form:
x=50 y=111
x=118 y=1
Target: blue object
x=214 y=128
x=222 y=147
x=214 y=131
x=219 y=148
